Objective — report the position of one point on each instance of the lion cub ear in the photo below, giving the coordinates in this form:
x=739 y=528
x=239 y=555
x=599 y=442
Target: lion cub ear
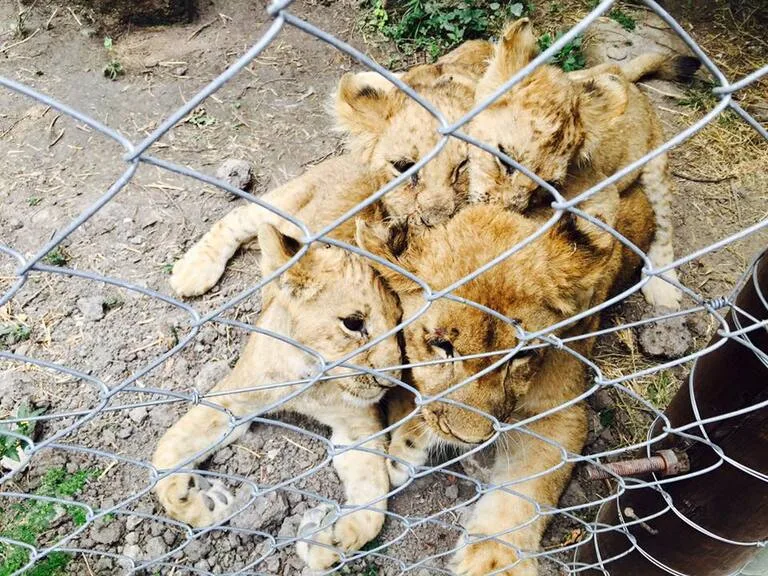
x=390 y=244
x=276 y=250
x=516 y=48
x=362 y=104
x=602 y=100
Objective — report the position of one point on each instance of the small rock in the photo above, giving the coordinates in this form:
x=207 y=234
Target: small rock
x=169 y=537
x=163 y=416
x=132 y=551
x=602 y=400
x=179 y=71
x=290 y=526
x=235 y=172
x=155 y=547
x=668 y=338
x=15 y=223
x=91 y=307
x=104 y=565
x=136 y=240
x=132 y=522
x=452 y=492
x=131 y=538
x=265 y=510
x=124 y=433
x=106 y=531
x=196 y=550
x=137 y=414
x=88 y=32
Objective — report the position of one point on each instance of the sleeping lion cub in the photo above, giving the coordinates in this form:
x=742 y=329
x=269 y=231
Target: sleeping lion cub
x=567 y=270
x=592 y=123
x=307 y=304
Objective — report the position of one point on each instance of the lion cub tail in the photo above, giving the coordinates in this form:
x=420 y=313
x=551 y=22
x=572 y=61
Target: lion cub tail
x=665 y=66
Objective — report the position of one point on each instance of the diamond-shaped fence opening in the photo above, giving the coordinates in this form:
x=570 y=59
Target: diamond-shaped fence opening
x=683 y=485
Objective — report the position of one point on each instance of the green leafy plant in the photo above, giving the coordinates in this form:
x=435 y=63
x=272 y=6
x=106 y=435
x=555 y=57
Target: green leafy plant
x=570 y=57
x=114 y=68
x=29 y=519
x=34 y=201
x=435 y=26
x=625 y=20
x=200 y=118
x=10 y=445
x=56 y=257
x=12 y=333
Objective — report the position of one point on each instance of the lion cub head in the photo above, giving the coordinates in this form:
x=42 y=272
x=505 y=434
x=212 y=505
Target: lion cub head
x=333 y=303
x=390 y=132
x=549 y=122
x=559 y=274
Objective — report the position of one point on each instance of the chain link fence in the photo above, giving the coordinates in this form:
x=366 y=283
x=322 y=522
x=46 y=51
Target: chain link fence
x=381 y=553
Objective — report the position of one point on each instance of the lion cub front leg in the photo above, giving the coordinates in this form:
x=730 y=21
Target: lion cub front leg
x=364 y=476
x=411 y=441
x=203 y=264
x=506 y=522
x=192 y=498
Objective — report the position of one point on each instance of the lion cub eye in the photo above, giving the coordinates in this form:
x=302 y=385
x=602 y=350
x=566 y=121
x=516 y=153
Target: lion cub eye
x=403 y=165
x=443 y=345
x=507 y=166
x=354 y=323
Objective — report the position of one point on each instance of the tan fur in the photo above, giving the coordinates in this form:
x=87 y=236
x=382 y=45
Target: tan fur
x=558 y=124
x=389 y=131
x=306 y=303
x=569 y=269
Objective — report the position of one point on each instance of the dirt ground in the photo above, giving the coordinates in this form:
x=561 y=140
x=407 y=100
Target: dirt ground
x=273 y=116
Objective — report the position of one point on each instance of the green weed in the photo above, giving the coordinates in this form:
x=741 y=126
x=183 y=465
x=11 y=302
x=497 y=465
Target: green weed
x=570 y=57
x=661 y=390
x=56 y=257
x=114 y=68
x=625 y=20
x=436 y=26
x=29 y=519
x=200 y=118
x=12 y=333
x=9 y=445
x=34 y=201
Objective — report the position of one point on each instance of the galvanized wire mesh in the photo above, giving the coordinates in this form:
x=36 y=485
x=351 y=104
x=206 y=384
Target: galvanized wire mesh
x=433 y=562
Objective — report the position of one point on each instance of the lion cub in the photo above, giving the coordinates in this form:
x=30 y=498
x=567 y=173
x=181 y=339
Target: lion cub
x=389 y=132
x=567 y=270
x=312 y=310
x=592 y=122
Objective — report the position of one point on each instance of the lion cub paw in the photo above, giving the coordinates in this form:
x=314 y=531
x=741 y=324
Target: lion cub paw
x=661 y=294
x=490 y=557
x=194 y=499
x=196 y=272
x=348 y=534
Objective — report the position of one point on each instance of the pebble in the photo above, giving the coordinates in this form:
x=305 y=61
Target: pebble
x=452 y=492
x=668 y=338
x=196 y=550
x=132 y=522
x=155 y=547
x=235 y=172
x=132 y=551
x=91 y=307
x=107 y=530
x=124 y=433
x=15 y=224
x=169 y=537
x=137 y=414
x=131 y=538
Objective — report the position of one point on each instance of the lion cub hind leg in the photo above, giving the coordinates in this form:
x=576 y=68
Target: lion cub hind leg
x=658 y=186
x=364 y=476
